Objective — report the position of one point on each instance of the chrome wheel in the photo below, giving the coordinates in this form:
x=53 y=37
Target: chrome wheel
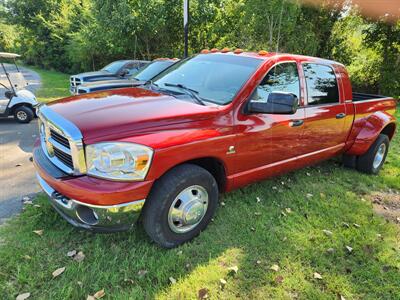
x=188 y=209
x=21 y=115
x=379 y=156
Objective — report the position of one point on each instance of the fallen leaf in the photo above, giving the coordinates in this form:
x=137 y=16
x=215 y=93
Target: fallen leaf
x=349 y=249
x=258 y=262
x=274 y=268
x=172 y=280
x=99 y=294
x=222 y=203
x=317 y=275
x=258 y=199
x=283 y=214
x=327 y=232
x=252 y=229
x=179 y=252
x=58 y=272
x=330 y=250
x=79 y=283
x=233 y=269
x=398 y=219
x=202 y=293
x=257 y=214
x=26 y=198
x=378 y=235
x=345 y=225
x=90 y=297
x=309 y=195
x=27 y=257
x=342 y=298
x=356 y=225
x=71 y=253
x=36 y=205
x=23 y=296
x=308 y=174
x=142 y=273
x=39 y=232
x=222 y=282
x=28 y=202
x=288 y=210
x=79 y=257
x=322 y=195
x=274 y=188
x=279 y=279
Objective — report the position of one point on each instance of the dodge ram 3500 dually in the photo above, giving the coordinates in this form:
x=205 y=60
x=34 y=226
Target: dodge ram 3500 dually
x=211 y=123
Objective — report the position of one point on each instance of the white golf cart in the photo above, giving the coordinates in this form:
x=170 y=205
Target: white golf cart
x=15 y=99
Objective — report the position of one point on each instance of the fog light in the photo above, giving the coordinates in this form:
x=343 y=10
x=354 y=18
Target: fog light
x=87 y=215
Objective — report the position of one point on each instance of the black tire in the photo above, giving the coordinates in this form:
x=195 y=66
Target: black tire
x=162 y=196
x=349 y=161
x=365 y=162
x=23 y=114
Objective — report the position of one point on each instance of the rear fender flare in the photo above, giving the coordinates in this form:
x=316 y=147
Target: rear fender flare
x=371 y=128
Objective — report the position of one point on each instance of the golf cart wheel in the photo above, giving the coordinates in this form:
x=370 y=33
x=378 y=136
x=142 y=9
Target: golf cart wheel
x=23 y=114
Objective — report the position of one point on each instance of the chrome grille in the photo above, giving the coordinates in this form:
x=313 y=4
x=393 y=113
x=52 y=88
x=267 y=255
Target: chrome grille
x=61 y=142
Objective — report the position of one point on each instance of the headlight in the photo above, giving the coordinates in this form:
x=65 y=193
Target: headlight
x=118 y=161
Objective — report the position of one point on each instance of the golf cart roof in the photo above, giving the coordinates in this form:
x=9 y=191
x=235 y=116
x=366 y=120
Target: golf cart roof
x=9 y=55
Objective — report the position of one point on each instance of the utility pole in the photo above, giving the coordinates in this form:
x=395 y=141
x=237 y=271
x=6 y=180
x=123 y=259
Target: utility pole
x=186 y=24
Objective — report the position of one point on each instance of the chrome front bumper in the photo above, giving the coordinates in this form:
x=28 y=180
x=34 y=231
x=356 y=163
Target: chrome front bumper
x=93 y=217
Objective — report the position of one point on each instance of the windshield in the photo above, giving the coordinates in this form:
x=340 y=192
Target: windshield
x=152 y=70
x=216 y=78
x=114 y=67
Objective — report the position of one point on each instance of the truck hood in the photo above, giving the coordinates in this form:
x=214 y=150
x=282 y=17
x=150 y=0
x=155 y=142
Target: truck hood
x=104 y=84
x=95 y=75
x=115 y=114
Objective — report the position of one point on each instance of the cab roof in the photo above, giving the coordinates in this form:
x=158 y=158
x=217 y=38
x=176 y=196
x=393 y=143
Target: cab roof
x=264 y=55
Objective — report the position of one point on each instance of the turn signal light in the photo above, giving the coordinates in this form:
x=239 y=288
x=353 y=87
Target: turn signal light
x=213 y=50
x=262 y=52
x=205 y=51
x=225 y=50
x=238 y=51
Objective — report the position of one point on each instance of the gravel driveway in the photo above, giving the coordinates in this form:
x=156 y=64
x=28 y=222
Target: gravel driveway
x=17 y=175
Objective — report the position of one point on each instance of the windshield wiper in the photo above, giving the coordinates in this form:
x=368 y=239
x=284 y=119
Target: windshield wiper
x=189 y=91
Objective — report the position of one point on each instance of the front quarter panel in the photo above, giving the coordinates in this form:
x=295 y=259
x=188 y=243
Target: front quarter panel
x=23 y=96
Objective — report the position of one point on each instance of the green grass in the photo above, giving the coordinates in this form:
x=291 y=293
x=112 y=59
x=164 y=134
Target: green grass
x=242 y=233
x=54 y=85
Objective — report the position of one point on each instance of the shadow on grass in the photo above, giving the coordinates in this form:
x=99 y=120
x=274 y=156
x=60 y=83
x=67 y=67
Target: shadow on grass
x=284 y=228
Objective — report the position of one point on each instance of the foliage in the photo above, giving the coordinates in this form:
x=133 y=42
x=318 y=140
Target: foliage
x=82 y=35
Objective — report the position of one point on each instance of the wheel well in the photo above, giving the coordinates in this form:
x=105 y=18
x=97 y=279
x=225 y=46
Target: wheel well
x=19 y=105
x=389 y=130
x=215 y=167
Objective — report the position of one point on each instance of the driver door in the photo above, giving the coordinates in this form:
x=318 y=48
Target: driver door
x=268 y=143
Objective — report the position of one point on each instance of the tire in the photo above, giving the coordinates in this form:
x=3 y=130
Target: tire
x=23 y=114
x=183 y=180
x=369 y=162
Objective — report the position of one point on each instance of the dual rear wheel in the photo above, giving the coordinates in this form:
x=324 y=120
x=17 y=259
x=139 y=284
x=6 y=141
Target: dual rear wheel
x=372 y=161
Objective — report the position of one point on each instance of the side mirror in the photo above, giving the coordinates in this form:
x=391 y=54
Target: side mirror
x=280 y=103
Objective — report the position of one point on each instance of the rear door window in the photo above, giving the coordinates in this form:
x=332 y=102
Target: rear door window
x=322 y=87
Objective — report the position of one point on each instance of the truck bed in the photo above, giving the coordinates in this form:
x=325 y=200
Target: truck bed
x=363 y=97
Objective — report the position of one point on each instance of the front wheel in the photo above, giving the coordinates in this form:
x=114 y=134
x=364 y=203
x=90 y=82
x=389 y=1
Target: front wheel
x=23 y=114
x=372 y=161
x=180 y=205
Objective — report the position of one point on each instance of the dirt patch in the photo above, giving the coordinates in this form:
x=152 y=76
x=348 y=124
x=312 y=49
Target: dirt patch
x=387 y=204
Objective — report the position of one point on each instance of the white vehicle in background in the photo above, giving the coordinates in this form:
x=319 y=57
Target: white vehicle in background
x=15 y=99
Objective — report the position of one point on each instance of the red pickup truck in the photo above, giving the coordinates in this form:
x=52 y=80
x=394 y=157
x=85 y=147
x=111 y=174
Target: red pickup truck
x=211 y=123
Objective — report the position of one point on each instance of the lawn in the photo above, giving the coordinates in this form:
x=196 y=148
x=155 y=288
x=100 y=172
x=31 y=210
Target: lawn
x=284 y=238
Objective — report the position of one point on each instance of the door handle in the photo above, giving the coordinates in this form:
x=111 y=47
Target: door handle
x=296 y=123
x=340 y=116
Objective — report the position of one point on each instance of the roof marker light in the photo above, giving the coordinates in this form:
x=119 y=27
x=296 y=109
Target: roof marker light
x=225 y=50
x=262 y=52
x=238 y=51
x=213 y=50
x=205 y=51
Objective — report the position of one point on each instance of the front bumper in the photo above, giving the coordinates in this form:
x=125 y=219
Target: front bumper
x=93 y=217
